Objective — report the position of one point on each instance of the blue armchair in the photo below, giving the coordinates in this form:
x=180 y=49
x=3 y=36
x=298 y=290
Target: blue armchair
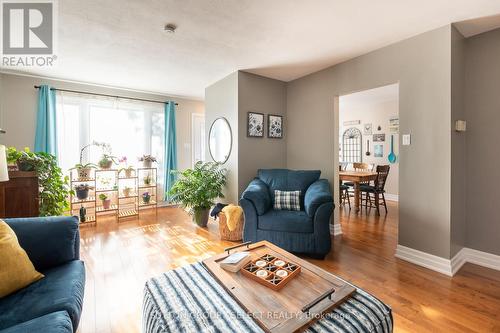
x=306 y=231
x=54 y=303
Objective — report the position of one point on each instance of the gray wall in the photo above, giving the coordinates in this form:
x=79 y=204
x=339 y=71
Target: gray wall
x=458 y=148
x=18 y=106
x=482 y=102
x=232 y=97
x=422 y=66
x=267 y=96
x=221 y=100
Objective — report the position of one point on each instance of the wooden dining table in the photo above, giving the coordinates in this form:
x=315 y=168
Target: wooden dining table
x=357 y=177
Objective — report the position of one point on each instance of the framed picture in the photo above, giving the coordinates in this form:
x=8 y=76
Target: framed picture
x=378 y=137
x=274 y=126
x=255 y=125
x=378 y=151
x=367 y=129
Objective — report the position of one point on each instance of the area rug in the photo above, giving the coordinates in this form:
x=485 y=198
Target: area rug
x=189 y=299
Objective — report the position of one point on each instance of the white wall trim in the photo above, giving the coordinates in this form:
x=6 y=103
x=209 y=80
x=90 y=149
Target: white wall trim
x=335 y=229
x=480 y=258
x=446 y=266
x=424 y=259
x=391 y=197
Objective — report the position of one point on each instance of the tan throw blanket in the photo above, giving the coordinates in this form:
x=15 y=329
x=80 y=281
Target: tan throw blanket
x=233 y=215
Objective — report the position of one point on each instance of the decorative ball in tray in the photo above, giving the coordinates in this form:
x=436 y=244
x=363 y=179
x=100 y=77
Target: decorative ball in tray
x=271 y=271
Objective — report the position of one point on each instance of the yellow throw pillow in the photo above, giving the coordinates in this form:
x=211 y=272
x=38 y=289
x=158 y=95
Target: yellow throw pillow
x=16 y=269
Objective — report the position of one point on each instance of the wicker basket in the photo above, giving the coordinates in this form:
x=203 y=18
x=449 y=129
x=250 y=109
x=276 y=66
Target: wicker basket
x=225 y=234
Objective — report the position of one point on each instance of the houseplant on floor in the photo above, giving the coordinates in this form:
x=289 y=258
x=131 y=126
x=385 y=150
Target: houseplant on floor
x=197 y=189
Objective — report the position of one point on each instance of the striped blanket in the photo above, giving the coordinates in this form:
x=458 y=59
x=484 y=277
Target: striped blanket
x=189 y=299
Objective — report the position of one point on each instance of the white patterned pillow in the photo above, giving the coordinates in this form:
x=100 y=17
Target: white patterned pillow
x=286 y=200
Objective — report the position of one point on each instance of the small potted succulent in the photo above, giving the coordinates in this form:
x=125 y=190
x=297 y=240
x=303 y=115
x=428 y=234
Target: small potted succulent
x=146 y=197
x=147 y=160
x=84 y=170
x=106 y=201
x=106 y=161
x=147 y=179
x=126 y=191
x=82 y=191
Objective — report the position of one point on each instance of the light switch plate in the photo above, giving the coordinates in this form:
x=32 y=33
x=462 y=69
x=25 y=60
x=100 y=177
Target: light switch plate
x=406 y=139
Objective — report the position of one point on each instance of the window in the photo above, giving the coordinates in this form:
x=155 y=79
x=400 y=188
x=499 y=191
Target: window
x=351 y=145
x=132 y=128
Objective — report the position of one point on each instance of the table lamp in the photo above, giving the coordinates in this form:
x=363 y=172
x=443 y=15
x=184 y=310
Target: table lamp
x=4 y=172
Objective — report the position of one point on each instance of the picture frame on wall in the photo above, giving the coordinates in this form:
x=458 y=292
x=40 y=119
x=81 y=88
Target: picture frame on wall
x=255 y=125
x=379 y=137
x=274 y=126
x=367 y=129
x=378 y=151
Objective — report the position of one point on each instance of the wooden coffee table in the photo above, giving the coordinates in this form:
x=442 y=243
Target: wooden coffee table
x=297 y=305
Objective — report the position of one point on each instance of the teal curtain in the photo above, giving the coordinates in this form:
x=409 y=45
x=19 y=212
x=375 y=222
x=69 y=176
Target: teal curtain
x=170 y=144
x=45 y=135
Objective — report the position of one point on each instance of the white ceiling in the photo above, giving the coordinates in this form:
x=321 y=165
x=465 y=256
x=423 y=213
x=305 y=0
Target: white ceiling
x=371 y=96
x=122 y=43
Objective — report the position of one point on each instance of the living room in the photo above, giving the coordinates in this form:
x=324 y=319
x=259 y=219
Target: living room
x=146 y=145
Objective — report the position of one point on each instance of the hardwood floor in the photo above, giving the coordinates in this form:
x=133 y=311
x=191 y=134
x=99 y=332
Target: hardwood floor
x=119 y=258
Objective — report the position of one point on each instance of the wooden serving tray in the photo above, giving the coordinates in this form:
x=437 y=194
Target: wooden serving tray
x=273 y=265
x=298 y=304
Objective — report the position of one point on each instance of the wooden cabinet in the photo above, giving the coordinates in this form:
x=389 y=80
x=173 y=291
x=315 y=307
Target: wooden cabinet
x=19 y=195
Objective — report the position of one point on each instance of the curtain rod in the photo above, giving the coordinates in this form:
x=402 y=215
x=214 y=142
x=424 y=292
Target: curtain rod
x=105 y=95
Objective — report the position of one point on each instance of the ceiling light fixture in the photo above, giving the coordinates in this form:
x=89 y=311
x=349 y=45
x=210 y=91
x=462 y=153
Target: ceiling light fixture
x=170 y=28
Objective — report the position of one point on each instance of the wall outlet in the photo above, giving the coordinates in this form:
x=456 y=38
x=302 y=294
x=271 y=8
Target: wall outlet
x=406 y=139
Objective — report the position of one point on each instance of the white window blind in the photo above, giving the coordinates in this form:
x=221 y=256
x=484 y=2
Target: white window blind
x=132 y=128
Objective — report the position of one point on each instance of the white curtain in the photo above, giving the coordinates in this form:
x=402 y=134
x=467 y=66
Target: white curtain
x=132 y=128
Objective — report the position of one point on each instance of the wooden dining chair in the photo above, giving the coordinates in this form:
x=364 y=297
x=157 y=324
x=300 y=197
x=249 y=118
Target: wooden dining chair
x=371 y=194
x=360 y=167
x=344 y=191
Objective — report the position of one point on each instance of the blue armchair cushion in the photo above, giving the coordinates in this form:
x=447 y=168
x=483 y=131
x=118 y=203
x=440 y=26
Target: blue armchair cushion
x=48 y=241
x=56 y=322
x=61 y=290
x=288 y=180
x=258 y=193
x=317 y=194
x=286 y=221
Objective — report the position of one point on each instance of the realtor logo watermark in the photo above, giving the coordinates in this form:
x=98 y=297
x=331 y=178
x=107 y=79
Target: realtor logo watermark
x=28 y=33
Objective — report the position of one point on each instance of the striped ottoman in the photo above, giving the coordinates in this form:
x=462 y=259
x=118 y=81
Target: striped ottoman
x=189 y=299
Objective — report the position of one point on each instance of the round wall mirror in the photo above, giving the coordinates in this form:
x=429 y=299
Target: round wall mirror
x=220 y=140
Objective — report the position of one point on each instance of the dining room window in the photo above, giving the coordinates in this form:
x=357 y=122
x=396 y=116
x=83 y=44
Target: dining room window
x=131 y=128
x=351 y=145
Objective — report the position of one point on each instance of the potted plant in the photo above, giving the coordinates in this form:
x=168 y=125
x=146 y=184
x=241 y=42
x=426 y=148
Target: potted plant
x=147 y=160
x=147 y=179
x=198 y=188
x=82 y=191
x=106 y=202
x=126 y=191
x=84 y=170
x=106 y=161
x=53 y=186
x=146 y=197
x=128 y=171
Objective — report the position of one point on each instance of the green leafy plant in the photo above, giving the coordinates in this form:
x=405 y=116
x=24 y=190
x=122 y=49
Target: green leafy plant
x=198 y=188
x=79 y=166
x=103 y=196
x=53 y=185
x=107 y=161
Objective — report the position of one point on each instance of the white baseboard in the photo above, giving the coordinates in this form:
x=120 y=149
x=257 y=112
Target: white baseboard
x=446 y=266
x=391 y=197
x=480 y=258
x=424 y=259
x=335 y=229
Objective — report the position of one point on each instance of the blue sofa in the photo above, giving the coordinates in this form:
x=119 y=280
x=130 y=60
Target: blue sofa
x=306 y=231
x=54 y=303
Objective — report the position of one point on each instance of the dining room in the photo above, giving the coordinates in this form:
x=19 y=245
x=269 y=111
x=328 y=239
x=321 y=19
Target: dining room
x=368 y=151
